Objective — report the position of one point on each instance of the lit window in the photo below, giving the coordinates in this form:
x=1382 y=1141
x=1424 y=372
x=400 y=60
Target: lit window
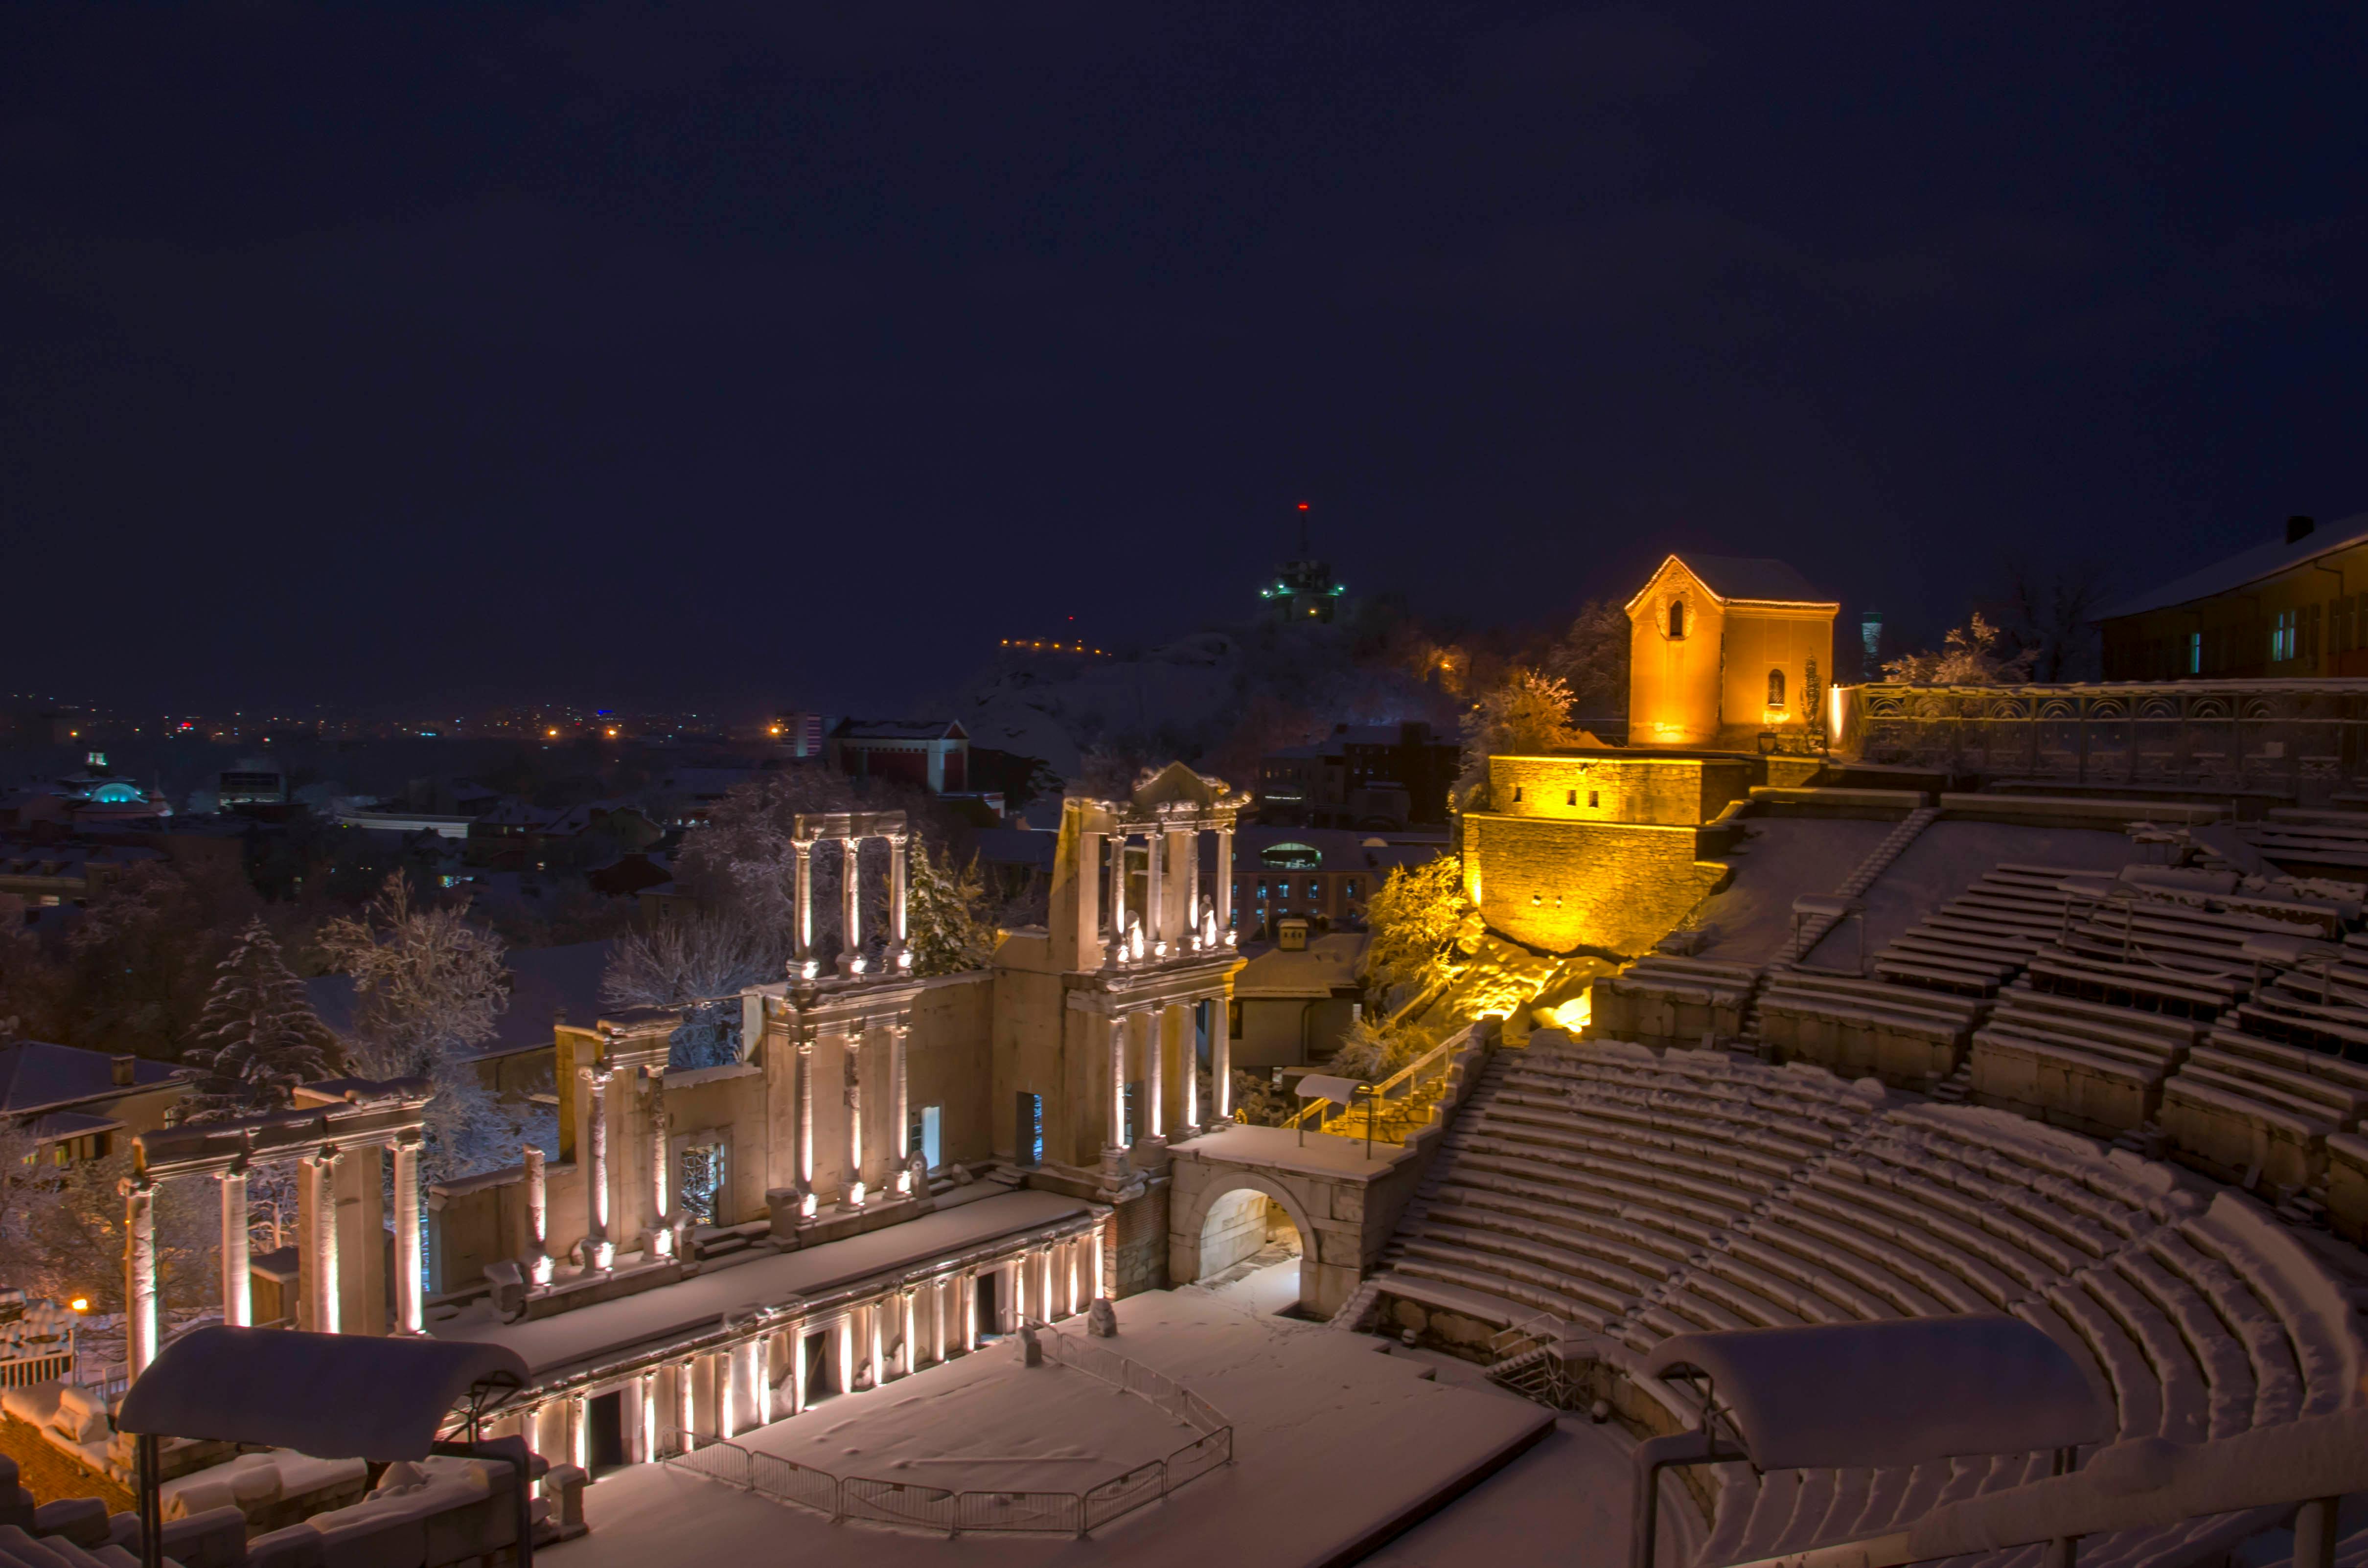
x=1775 y=688
x=1261 y=889
x=1676 y=617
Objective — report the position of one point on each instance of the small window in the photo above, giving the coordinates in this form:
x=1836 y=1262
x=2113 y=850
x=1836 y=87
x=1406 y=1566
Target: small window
x=1594 y=798
x=2195 y=652
x=1570 y=797
x=1517 y=792
x=1676 y=617
x=1775 y=688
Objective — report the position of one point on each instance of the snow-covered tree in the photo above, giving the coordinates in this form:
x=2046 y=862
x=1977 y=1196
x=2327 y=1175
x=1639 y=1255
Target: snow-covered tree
x=1527 y=712
x=1971 y=656
x=1414 y=918
x=946 y=916
x=1591 y=658
x=700 y=965
x=258 y=1037
x=428 y=984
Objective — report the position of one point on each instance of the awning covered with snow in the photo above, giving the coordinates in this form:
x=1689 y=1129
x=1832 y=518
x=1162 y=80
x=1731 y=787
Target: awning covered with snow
x=331 y=1395
x=1894 y=1392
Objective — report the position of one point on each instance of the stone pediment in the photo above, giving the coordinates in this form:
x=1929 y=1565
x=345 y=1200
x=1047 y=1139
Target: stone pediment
x=1174 y=784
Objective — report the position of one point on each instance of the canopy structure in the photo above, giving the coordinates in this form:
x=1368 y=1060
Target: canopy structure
x=334 y=1395
x=1894 y=1392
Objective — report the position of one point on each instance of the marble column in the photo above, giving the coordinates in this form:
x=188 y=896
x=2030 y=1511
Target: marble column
x=1188 y=1052
x=685 y=1399
x=897 y=959
x=851 y=876
x=538 y=1219
x=1118 y=896
x=1225 y=889
x=323 y=1167
x=1155 y=902
x=140 y=1260
x=645 y=1418
x=854 y=1182
x=1016 y=1270
x=1155 y=1069
x=911 y=1359
x=1098 y=1289
x=878 y=1314
x=660 y=1241
x=1188 y=844
x=578 y=1433
x=238 y=1307
x=899 y=1107
x=802 y=939
x=1118 y=1080
x=966 y=1284
x=599 y=1252
x=806 y=1128
x=408 y=1304
x=1221 y=1059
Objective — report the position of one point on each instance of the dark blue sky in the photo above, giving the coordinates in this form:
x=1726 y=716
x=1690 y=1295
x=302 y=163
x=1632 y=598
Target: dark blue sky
x=742 y=352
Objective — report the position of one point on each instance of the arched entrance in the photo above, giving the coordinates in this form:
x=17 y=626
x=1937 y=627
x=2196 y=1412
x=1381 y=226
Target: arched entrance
x=1252 y=1248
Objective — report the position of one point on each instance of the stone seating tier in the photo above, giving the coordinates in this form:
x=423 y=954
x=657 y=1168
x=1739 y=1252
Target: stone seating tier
x=1610 y=1188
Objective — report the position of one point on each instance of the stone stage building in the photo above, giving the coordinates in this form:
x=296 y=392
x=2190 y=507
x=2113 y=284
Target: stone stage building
x=899 y=1165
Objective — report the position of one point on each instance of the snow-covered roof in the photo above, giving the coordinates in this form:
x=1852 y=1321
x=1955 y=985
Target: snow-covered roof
x=35 y=1076
x=1894 y=1392
x=1327 y=962
x=2246 y=566
x=898 y=730
x=331 y=1395
x=1740 y=578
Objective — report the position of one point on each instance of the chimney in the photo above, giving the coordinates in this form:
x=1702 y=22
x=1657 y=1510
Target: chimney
x=2298 y=528
x=121 y=1071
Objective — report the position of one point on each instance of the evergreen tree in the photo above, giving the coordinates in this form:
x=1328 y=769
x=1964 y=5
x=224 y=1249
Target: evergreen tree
x=946 y=916
x=258 y=1037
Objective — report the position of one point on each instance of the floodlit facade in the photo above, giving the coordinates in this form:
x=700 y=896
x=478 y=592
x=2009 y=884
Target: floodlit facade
x=1725 y=651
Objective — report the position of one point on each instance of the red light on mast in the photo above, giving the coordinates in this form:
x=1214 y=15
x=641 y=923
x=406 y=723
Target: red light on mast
x=1303 y=505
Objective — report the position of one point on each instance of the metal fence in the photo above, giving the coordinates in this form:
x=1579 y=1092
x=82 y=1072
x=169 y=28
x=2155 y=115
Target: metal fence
x=1010 y=1512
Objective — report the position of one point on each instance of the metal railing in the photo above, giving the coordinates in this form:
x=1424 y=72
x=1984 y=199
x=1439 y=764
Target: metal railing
x=989 y=1511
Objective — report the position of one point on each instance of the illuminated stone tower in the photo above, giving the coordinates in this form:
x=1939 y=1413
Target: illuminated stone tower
x=1303 y=590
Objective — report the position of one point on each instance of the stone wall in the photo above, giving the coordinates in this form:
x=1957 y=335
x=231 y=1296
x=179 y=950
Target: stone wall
x=1236 y=1227
x=1137 y=1261
x=1675 y=792
x=1565 y=885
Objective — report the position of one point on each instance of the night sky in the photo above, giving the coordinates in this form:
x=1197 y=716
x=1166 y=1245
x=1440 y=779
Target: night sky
x=355 y=353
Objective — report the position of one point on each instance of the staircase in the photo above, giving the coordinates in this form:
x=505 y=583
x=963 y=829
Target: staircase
x=1813 y=930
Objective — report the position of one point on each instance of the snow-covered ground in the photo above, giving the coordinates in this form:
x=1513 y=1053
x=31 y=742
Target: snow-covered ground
x=1944 y=861
x=1260 y=1283
x=1334 y=1443
x=985 y=1423
x=1787 y=857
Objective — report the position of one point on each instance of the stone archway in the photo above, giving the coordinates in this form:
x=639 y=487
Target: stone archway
x=1188 y=1228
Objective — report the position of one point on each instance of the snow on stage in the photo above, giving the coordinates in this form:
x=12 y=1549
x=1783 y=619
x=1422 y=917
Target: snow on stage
x=1336 y=1447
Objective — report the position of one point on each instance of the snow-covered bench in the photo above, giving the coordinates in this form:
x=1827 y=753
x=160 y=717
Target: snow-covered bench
x=1906 y=1036
x=1674 y=1001
x=2085 y=1083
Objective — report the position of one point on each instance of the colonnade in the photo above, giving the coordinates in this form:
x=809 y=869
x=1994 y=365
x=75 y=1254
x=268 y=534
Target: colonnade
x=848 y=830
x=1151 y=1041
x=357 y=1120
x=767 y=1375
x=1176 y=919
x=891 y=1165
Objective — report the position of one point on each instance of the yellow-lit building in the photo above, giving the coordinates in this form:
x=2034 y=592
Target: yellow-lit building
x=1725 y=651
